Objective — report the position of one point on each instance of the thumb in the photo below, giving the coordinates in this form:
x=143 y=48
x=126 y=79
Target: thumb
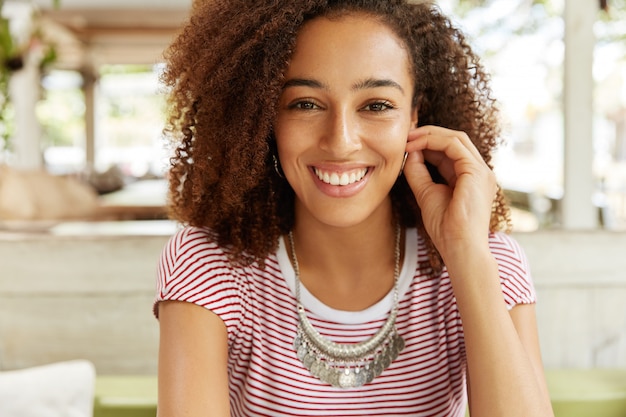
x=417 y=175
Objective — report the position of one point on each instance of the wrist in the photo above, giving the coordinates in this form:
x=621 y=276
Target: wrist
x=463 y=251
x=474 y=266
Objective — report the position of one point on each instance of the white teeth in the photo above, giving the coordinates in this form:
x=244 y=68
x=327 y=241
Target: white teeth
x=344 y=178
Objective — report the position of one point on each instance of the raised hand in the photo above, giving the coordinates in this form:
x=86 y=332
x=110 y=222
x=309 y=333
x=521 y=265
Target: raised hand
x=456 y=215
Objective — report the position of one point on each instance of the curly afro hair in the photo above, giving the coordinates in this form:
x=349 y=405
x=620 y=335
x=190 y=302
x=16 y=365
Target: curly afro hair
x=224 y=76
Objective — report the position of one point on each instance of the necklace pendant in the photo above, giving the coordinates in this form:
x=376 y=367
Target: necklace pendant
x=308 y=360
x=317 y=368
x=329 y=375
x=347 y=379
x=368 y=375
x=360 y=377
x=301 y=351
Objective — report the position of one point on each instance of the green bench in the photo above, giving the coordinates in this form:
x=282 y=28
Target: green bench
x=574 y=393
x=588 y=393
x=125 y=396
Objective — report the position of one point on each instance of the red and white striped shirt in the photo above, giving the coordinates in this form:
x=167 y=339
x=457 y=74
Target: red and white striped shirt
x=258 y=307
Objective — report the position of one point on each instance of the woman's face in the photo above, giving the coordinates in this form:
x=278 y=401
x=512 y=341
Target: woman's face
x=343 y=119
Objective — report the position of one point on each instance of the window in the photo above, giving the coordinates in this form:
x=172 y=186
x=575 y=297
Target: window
x=522 y=44
x=61 y=113
x=128 y=121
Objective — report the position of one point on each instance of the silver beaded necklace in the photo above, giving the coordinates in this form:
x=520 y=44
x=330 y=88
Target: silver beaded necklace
x=347 y=365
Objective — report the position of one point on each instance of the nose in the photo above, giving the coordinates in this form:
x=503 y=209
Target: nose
x=341 y=136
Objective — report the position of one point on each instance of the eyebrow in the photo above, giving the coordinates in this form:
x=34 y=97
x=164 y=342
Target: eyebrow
x=360 y=85
x=375 y=82
x=304 y=82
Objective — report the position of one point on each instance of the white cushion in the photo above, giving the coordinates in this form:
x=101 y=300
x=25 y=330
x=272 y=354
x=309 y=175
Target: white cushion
x=62 y=389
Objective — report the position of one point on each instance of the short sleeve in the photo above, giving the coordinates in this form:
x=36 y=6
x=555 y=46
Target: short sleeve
x=515 y=277
x=193 y=268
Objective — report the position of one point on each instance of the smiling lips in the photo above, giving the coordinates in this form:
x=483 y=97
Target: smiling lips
x=340 y=178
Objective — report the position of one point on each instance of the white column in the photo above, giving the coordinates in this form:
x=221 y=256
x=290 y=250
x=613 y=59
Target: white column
x=24 y=93
x=90 y=88
x=24 y=87
x=578 y=211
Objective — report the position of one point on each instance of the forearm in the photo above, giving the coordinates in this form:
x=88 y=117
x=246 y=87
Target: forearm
x=505 y=378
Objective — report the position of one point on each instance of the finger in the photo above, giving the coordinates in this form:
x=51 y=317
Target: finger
x=443 y=165
x=430 y=196
x=438 y=131
x=416 y=170
x=446 y=151
x=451 y=152
x=437 y=159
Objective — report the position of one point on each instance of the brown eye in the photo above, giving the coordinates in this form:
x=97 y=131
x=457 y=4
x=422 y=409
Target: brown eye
x=379 y=106
x=303 y=105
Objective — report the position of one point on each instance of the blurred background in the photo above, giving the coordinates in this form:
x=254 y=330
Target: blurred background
x=85 y=97
x=83 y=175
x=559 y=70
x=81 y=100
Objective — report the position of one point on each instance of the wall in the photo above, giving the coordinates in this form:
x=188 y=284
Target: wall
x=84 y=296
x=89 y=295
x=581 y=284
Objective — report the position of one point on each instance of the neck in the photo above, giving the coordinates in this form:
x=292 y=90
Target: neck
x=348 y=268
x=316 y=237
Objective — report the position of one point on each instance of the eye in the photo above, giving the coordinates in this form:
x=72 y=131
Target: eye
x=379 y=106
x=303 y=105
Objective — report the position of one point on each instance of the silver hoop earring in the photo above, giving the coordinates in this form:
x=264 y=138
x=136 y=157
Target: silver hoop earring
x=277 y=168
x=406 y=154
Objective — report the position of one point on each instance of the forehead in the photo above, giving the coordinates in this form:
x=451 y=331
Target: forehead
x=354 y=41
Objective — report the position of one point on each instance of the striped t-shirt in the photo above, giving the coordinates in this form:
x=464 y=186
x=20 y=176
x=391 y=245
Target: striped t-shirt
x=258 y=307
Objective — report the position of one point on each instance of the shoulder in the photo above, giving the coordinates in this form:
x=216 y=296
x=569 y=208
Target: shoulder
x=192 y=256
x=509 y=254
x=505 y=248
x=193 y=237
x=514 y=269
x=191 y=244
x=194 y=268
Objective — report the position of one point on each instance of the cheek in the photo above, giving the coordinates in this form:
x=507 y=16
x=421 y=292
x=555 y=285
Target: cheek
x=294 y=135
x=283 y=135
x=389 y=139
x=289 y=143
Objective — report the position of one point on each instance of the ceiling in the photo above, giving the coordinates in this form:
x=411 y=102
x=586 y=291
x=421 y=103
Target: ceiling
x=91 y=33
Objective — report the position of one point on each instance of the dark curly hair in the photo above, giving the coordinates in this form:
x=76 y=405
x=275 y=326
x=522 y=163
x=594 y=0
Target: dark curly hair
x=224 y=74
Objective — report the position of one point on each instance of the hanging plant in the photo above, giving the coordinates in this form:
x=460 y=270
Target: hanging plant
x=9 y=61
x=12 y=59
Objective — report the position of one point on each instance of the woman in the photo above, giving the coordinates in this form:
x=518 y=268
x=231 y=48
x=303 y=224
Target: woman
x=342 y=253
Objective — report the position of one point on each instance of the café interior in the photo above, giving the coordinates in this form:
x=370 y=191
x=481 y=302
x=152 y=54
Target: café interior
x=83 y=195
